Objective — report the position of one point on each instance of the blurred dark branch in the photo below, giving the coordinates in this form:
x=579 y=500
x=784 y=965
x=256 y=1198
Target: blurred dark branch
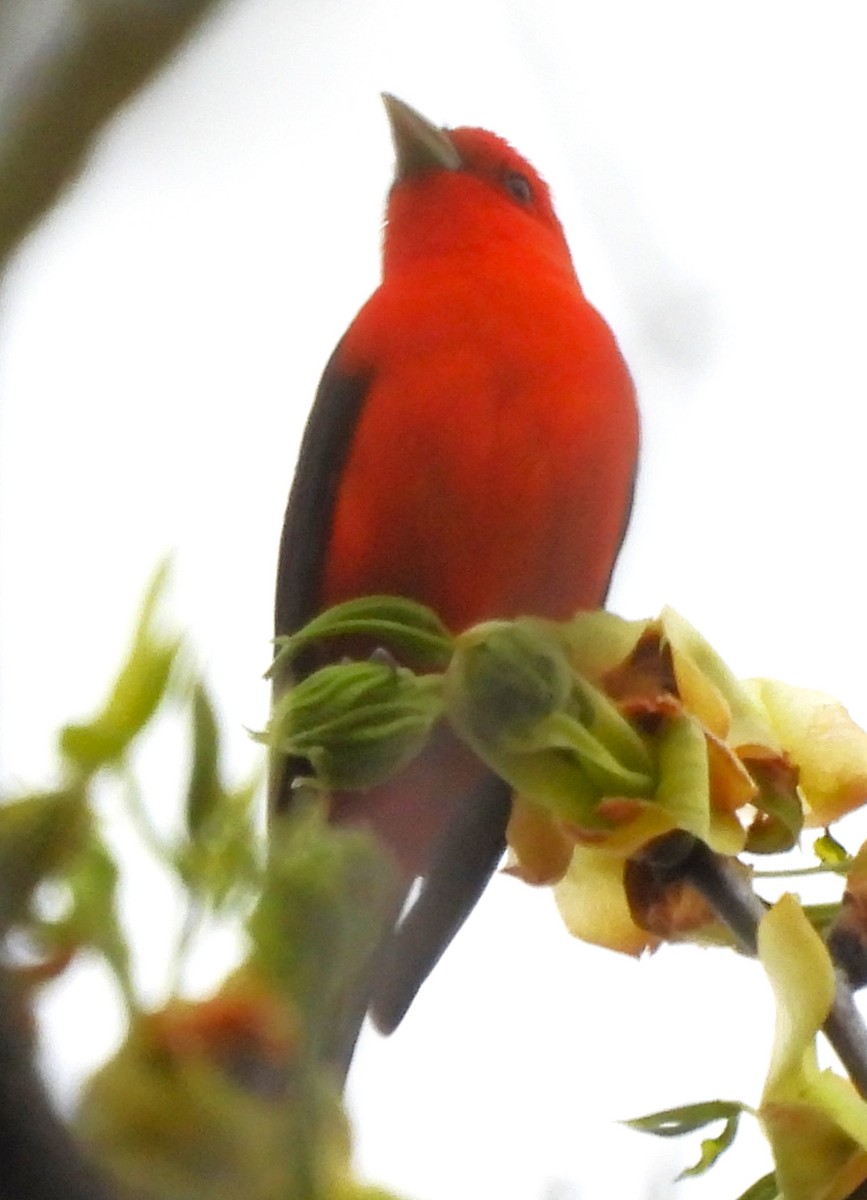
x=679 y=856
x=39 y=1158
x=111 y=49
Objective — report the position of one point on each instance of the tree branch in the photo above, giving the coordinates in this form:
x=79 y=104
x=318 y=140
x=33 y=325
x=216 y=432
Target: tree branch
x=40 y=1158
x=109 y=52
x=680 y=856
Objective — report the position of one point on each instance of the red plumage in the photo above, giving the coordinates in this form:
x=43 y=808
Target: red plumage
x=473 y=446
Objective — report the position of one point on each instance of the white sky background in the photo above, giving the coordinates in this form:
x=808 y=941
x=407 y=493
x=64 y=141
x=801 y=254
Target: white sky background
x=162 y=336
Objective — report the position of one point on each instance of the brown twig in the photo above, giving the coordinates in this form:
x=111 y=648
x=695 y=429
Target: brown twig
x=680 y=856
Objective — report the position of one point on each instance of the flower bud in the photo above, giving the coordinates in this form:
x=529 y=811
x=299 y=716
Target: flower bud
x=503 y=679
x=513 y=697
x=356 y=723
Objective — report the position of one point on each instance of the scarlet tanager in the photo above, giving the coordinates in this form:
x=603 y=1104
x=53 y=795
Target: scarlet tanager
x=473 y=447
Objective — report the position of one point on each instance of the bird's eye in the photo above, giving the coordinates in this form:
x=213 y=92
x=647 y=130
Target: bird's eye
x=518 y=186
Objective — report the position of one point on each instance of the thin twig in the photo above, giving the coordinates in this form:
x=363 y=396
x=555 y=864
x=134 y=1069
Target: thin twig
x=802 y=872
x=680 y=856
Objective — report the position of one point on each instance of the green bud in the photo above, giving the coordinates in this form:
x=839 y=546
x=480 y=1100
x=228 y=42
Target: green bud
x=327 y=898
x=503 y=679
x=408 y=629
x=513 y=696
x=356 y=723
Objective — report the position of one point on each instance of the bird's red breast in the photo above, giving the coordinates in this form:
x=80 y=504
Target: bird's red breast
x=493 y=461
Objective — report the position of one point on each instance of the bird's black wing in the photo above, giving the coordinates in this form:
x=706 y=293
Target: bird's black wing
x=472 y=848
x=465 y=859
x=307 y=523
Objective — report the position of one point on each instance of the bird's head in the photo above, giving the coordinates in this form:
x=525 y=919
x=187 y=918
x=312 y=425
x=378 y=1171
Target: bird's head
x=462 y=189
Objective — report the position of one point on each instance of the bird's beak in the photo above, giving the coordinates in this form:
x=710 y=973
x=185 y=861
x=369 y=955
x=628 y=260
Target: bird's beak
x=419 y=145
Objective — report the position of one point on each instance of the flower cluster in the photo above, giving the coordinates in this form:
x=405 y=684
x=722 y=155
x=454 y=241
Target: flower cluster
x=611 y=732
x=616 y=732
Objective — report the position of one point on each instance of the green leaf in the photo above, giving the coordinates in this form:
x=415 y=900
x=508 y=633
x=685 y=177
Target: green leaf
x=610 y=727
x=221 y=864
x=134 y=697
x=93 y=919
x=606 y=773
x=674 y=1122
x=830 y=852
x=763 y=1189
x=218 y=860
x=391 y=622
x=712 y=1148
x=684 y=781
x=204 y=790
x=39 y=836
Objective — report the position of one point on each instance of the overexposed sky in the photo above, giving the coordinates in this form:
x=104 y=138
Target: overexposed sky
x=161 y=337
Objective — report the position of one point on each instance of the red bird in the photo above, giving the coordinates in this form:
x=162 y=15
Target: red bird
x=472 y=446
